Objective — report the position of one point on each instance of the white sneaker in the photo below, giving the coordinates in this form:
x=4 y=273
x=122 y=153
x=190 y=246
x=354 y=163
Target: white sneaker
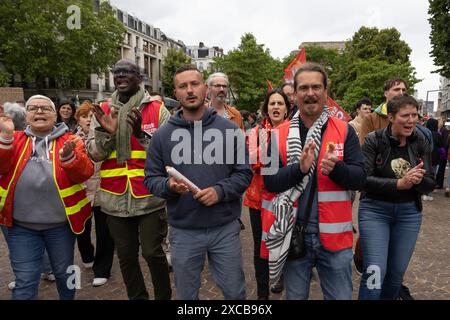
x=48 y=276
x=88 y=265
x=427 y=198
x=99 y=282
x=11 y=285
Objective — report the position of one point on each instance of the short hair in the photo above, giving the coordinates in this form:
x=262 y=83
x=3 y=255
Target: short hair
x=83 y=109
x=365 y=101
x=215 y=75
x=311 y=67
x=186 y=67
x=265 y=105
x=392 y=82
x=287 y=84
x=62 y=103
x=399 y=102
x=38 y=96
x=17 y=113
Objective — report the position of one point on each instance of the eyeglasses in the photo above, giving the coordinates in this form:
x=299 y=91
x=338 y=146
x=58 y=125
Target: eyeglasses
x=124 y=72
x=35 y=108
x=219 y=86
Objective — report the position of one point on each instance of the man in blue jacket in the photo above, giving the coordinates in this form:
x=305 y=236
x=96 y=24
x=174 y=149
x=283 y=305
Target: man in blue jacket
x=210 y=151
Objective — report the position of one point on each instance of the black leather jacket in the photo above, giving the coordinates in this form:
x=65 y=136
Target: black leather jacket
x=376 y=163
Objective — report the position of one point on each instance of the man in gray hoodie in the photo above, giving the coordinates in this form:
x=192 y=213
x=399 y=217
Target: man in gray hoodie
x=210 y=151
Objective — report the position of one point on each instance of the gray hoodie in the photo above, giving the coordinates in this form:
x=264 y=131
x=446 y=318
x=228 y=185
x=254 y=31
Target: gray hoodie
x=37 y=204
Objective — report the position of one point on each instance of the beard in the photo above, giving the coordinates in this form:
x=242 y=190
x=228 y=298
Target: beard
x=221 y=98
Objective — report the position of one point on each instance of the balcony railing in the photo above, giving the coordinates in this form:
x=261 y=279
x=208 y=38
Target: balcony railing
x=149 y=50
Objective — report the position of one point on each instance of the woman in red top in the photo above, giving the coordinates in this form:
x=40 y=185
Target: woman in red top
x=275 y=109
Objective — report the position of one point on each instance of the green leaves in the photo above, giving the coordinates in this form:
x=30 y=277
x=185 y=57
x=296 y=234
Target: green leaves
x=439 y=11
x=370 y=58
x=174 y=60
x=248 y=67
x=36 y=42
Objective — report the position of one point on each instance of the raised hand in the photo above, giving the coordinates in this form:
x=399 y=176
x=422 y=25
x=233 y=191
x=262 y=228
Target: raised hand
x=329 y=160
x=207 y=197
x=307 y=157
x=415 y=175
x=6 y=126
x=68 y=148
x=134 y=119
x=412 y=177
x=108 y=122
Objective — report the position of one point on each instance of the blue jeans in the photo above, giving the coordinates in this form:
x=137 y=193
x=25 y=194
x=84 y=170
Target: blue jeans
x=223 y=248
x=334 y=269
x=388 y=233
x=26 y=251
x=46 y=267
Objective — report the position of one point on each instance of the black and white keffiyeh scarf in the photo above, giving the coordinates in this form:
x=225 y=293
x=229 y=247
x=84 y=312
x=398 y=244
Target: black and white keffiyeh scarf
x=279 y=235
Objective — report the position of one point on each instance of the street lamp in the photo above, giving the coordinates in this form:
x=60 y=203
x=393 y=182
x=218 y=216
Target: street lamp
x=426 y=101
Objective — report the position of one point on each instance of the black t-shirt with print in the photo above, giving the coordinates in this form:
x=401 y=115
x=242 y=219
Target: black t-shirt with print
x=396 y=168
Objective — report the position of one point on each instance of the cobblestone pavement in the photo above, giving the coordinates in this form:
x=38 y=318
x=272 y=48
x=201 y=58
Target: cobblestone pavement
x=428 y=275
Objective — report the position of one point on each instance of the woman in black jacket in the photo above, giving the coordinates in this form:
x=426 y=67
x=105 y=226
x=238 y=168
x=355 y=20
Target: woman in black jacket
x=399 y=170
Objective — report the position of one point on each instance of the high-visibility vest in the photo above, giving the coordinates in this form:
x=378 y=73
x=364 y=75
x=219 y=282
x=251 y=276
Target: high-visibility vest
x=334 y=203
x=115 y=177
x=73 y=196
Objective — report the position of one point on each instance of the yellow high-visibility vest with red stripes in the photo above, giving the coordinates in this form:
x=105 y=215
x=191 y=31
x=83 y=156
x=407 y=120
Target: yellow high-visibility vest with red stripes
x=334 y=202
x=115 y=177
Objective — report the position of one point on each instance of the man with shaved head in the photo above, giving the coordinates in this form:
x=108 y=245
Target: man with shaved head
x=119 y=136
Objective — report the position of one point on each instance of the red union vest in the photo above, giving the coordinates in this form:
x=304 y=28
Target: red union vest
x=334 y=204
x=76 y=204
x=116 y=177
x=267 y=211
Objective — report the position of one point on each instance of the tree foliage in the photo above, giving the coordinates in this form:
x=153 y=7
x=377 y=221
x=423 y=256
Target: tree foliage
x=174 y=60
x=439 y=11
x=248 y=68
x=370 y=58
x=36 y=40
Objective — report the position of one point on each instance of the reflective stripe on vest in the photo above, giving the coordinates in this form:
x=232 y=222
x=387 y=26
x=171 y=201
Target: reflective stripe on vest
x=3 y=194
x=83 y=200
x=134 y=155
x=76 y=208
x=3 y=191
x=122 y=172
x=336 y=227
x=333 y=196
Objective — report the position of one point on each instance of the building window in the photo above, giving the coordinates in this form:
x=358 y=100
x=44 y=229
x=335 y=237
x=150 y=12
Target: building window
x=159 y=49
x=140 y=27
x=147 y=31
x=131 y=22
x=120 y=16
x=200 y=66
x=137 y=42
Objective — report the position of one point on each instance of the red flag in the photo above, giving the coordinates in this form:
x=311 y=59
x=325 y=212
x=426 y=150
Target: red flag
x=336 y=111
x=292 y=68
x=269 y=85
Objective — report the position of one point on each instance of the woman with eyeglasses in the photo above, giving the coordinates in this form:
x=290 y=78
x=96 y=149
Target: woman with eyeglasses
x=43 y=202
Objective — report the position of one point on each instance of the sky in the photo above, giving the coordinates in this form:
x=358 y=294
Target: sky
x=282 y=25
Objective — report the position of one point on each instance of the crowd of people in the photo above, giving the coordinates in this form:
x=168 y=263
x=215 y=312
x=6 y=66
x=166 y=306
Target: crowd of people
x=296 y=168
